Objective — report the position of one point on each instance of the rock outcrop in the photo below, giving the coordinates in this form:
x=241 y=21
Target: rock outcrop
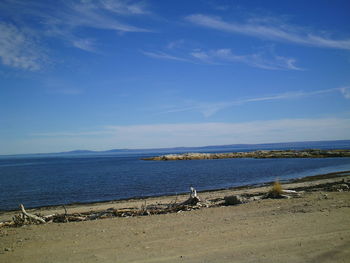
x=309 y=153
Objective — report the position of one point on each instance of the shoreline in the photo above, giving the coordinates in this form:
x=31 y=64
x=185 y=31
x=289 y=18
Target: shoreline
x=138 y=201
x=141 y=198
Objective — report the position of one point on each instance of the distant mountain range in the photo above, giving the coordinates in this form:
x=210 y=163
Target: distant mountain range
x=339 y=144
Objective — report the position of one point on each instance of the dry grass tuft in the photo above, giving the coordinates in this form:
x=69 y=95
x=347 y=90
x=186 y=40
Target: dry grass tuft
x=276 y=190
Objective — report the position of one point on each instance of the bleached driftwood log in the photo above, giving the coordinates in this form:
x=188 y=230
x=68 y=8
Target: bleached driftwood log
x=291 y=192
x=193 y=199
x=31 y=216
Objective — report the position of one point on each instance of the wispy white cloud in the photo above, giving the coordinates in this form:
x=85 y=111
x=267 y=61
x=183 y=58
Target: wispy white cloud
x=125 y=7
x=193 y=134
x=263 y=28
x=210 y=108
x=175 y=44
x=68 y=37
x=221 y=133
x=18 y=48
x=84 y=44
x=96 y=14
x=225 y=56
x=163 y=55
x=345 y=91
x=259 y=60
x=101 y=14
x=19 y=45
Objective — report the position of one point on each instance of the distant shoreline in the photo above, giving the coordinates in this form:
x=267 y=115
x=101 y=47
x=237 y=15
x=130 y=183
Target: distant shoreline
x=323 y=144
x=260 y=154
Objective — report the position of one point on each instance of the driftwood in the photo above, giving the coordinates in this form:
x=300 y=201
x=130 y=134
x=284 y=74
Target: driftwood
x=291 y=193
x=10 y=223
x=25 y=218
x=31 y=216
x=193 y=199
x=192 y=203
x=284 y=194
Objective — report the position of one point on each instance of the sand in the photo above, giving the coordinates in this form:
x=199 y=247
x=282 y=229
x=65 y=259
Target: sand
x=313 y=228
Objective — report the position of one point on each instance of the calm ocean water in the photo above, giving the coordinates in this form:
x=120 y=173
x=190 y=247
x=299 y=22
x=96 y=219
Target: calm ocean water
x=42 y=181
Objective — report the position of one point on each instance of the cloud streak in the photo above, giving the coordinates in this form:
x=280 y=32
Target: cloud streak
x=97 y=14
x=207 y=109
x=20 y=38
x=266 y=30
x=345 y=91
x=225 y=56
x=19 y=49
x=166 y=56
x=123 y=7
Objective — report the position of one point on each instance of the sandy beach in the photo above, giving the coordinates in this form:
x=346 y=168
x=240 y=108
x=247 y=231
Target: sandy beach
x=314 y=227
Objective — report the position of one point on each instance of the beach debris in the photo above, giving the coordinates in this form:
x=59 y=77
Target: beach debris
x=193 y=199
x=31 y=216
x=25 y=218
x=291 y=193
x=339 y=187
x=233 y=200
x=278 y=192
x=193 y=202
x=7 y=223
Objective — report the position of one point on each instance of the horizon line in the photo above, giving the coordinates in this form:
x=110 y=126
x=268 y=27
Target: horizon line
x=164 y=148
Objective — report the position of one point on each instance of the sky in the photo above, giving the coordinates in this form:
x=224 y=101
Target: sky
x=110 y=74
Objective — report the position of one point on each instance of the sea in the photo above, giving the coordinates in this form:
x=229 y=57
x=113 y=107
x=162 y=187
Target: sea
x=47 y=180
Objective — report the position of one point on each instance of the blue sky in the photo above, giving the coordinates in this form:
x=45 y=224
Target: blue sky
x=110 y=74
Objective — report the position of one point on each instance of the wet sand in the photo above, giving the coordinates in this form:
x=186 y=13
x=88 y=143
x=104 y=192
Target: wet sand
x=312 y=228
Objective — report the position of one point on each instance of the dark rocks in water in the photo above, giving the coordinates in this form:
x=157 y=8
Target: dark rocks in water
x=309 y=153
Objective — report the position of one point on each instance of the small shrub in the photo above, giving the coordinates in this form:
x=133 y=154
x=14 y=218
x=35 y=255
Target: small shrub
x=276 y=190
